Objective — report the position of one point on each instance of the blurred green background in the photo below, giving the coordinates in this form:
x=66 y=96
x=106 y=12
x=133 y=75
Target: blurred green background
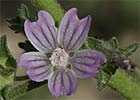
x=119 y=18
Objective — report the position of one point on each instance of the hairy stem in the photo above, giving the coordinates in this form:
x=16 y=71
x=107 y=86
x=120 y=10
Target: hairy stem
x=125 y=85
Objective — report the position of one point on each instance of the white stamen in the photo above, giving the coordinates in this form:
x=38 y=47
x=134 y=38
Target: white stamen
x=59 y=58
x=126 y=61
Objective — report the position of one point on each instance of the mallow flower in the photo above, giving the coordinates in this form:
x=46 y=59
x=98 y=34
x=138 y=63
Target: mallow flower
x=58 y=59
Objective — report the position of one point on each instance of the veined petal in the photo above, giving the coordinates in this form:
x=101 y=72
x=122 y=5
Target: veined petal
x=38 y=65
x=85 y=63
x=62 y=83
x=42 y=33
x=72 y=31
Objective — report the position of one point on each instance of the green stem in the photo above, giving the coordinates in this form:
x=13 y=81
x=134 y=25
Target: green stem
x=125 y=85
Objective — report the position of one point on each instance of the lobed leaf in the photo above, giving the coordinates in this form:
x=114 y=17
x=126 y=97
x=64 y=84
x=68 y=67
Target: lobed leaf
x=24 y=12
x=106 y=72
x=17 y=23
x=7 y=64
x=102 y=80
x=128 y=51
x=106 y=47
x=19 y=89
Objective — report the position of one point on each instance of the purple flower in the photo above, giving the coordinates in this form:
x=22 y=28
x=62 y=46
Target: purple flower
x=60 y=69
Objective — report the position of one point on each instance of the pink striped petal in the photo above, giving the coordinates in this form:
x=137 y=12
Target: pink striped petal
x=38 y=65
x=85 y=63
x=73 y=31
x=42 y=33
x=62 y=83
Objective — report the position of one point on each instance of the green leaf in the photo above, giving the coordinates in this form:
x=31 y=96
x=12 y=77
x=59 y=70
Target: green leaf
x=17 y=23
x=7 y=64
x=19 y=89
x=102 y=80
x=4 y=81
x=128 y=51
x=110 y=48
x=106 y=72
x=100 y=45
x=109 y=68
x=53 y=7
x=24 y=12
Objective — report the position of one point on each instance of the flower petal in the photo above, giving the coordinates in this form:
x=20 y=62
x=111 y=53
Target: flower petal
x=42 y=33
x=63 y=82
x=38 y=65
x=85 y=63
x=72 y=31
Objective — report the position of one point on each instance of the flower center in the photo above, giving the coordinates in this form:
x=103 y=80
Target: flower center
x=59 y=57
